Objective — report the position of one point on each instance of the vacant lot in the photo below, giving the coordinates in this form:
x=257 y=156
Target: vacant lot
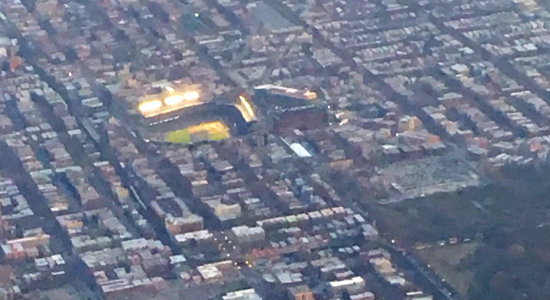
x=446 y=262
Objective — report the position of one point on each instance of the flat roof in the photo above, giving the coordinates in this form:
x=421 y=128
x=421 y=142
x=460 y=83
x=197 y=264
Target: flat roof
x=268 y=16
x=300 y=150
x=287 y=91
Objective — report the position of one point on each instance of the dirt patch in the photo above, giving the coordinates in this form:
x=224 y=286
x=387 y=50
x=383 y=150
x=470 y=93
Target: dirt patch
x=446 y=262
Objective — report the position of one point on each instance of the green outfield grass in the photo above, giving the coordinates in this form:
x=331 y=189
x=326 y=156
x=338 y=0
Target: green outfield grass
x=216 y=131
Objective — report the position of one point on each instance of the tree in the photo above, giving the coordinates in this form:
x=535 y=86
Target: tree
x=306 y=48
x=71 y=55
x=85 y=220
x=157 y=10
x=120 y=35
x=5 y=66
x=14 y=202
x=190 y=22
x=26 y=49
x=227 y=55
x=94 y=220
x=18 y=231
x=345 y=295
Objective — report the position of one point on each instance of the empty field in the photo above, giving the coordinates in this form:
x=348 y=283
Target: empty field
x=446 y=262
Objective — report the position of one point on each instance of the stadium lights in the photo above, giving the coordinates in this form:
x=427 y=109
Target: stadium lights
x=150 y=105
x=310 y=95
x=250 y=112
x=171 y=100
x=177 y=98
x=191 y=95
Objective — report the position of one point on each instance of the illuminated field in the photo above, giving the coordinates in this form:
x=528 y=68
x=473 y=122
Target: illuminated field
x=213 y=131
